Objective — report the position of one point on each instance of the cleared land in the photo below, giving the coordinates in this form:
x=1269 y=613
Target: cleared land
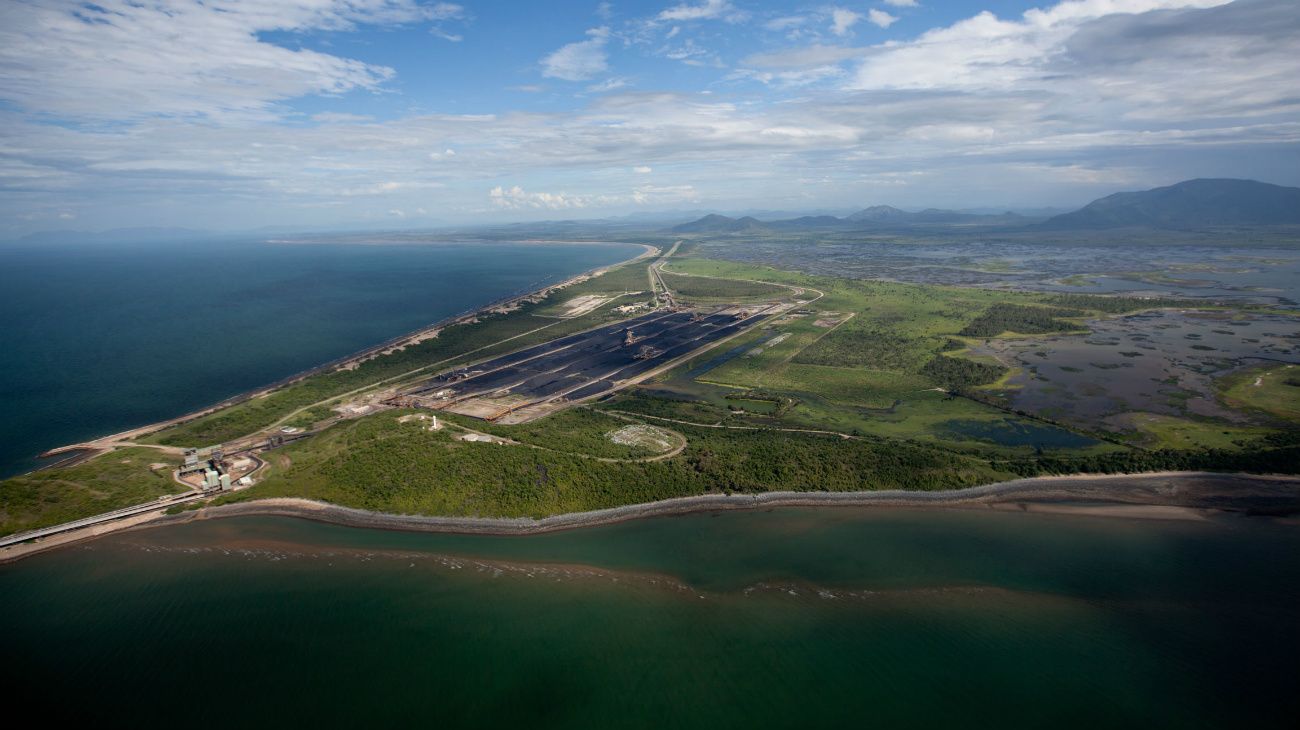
x=535 y=381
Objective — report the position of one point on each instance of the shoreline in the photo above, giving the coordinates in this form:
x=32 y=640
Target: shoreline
x=1152 y=495
x=96 y=446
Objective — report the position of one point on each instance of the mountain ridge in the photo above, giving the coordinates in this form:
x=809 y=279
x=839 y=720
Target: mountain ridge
x=1196 y=203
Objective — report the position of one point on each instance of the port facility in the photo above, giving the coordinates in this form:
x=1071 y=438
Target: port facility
x=537 y=380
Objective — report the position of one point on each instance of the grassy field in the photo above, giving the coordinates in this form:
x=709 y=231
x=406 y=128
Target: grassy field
x=858 y=362
x=1273 y=389
x=576 y=431
x=381 y=464
x=108 y=482
x=702 y=290
x=1171 y=432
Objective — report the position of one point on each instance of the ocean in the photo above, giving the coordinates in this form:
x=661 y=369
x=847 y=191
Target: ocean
x=795 y=617
x=102 y=338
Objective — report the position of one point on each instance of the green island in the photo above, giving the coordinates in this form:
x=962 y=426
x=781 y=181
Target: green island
x=840 y=385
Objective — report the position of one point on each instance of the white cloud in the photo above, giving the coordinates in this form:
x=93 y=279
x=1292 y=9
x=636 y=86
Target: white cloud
x=985 y=51
x=810 y=56
x=790 y=77
x=881 y=18
x=901 y=3
x=842 y=20
x=608 y=85
x=118 y=59
x=443 y=12
x=516 y=197
x=1078 y=94
x=446 y=11
x=579 y=61
x=707 y=10
x=785 y=23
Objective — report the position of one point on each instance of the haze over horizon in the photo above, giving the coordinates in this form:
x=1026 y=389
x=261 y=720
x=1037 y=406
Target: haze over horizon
x=235 y=115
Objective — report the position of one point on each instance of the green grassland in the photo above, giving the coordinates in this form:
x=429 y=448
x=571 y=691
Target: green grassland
x=873 y=372
x=708 y=290
x=1273 y=389
x=876 y=371
x=380 y=464
x=102 y=484
x=1161 y=431
x=573 y=431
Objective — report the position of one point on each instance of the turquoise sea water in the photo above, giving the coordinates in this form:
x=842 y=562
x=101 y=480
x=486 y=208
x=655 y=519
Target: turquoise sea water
x=96 y=339
x=787 y=618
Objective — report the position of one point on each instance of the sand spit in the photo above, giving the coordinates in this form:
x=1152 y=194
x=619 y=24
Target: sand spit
x=1158 y=495
x=1163 y=495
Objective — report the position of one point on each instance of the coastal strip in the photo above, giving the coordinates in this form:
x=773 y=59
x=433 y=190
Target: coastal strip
x=96 y=446
x=1157 y=495
x=1170 y=493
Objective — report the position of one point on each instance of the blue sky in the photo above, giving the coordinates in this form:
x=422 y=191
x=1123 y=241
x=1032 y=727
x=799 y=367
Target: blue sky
x=392 y=113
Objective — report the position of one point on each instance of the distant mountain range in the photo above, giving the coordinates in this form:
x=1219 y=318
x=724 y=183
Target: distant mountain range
x=1191 y=204
x=714 y=223
x=879 y=216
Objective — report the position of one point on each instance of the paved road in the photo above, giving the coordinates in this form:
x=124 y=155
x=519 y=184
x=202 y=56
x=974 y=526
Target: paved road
x=98 y=519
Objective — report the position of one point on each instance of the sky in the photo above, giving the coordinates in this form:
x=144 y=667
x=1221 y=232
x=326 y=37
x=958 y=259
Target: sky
x=239 y=114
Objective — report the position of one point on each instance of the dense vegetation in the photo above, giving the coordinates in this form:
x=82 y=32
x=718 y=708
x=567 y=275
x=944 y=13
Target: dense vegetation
x=1001 y=318
x=376 y=463
x=112 y=481
x=1112 y=305
x=1279 y=460
x=576 y=431
x=956 y=373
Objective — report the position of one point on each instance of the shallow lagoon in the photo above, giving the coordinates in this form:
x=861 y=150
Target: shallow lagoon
x=1159 y=362
x=1262 y=275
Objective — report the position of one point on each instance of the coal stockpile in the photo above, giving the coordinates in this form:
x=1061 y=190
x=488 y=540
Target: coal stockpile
x=589 y=363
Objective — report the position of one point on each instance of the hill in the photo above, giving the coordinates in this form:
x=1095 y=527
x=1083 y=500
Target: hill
x=714 y=223
x=1189 y=204
x=886 y=215
x=880 y=214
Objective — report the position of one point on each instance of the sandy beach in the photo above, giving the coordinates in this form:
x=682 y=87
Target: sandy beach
x=1159 y=495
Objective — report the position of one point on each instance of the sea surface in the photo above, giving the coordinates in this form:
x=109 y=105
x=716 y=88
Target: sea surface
x=810 y=617
x=96 y=339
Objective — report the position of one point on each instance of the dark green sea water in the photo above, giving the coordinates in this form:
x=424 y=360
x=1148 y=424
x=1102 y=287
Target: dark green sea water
x=95 y=339
x=787 y=618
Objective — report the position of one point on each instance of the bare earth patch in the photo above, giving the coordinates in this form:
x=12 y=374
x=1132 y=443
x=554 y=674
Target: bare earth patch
x=642 y=436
